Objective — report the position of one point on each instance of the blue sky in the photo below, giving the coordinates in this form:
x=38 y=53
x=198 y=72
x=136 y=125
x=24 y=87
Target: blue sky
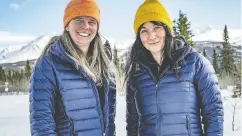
x=25 y=19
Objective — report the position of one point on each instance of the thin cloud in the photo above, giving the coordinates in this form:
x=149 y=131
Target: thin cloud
x=14 y=6
x=10 y=38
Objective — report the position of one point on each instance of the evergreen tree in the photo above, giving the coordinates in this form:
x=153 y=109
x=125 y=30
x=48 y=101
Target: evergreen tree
x=21 y=79
x=9 y=75
x=1 y=74
x=227 y=53
x=204 y=52
x=181 y=26
x=215 y=61
x=12 y=82
x=17 y=79
x=27 y=70
x=238 y=79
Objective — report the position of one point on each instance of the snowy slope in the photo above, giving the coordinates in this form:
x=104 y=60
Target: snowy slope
x=8 y=50
x=28 y=52
x=208 y=36
x=34 y=49
x=15 y=116
x=212 y=34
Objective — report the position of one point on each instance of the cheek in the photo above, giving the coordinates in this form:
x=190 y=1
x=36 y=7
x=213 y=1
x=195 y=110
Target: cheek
x=162 y=34
x=94 y=29
x=143 y=39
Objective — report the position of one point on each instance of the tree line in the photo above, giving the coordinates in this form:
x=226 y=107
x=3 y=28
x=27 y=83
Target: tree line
x=18 y=80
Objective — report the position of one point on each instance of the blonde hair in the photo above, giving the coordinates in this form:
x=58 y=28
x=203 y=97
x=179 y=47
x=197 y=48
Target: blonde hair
x=95 y=64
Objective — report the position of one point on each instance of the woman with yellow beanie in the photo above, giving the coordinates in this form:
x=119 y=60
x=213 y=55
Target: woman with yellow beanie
x=170 y=86
x=72 y=91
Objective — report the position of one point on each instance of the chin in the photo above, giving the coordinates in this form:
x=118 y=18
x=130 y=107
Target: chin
x=155 y=51
x=84 y=40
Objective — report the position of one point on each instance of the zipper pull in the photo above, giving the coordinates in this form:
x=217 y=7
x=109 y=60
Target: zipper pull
x=156 y=89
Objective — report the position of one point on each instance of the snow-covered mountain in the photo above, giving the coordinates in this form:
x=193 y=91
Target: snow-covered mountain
x=208 y=38
x=9 y=49
x=27 y=52
x=33 y=50
x=213 y=34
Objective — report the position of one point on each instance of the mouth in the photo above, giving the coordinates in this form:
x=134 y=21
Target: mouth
x=154 y=43
x=84 y=34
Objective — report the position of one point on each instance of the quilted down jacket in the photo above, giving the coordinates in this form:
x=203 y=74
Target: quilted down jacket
x=64 y=100
x=174 y=107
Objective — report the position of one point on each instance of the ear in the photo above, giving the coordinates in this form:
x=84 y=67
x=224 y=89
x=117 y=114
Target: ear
x=67 y=29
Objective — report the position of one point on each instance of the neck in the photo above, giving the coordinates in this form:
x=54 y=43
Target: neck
x=84 y=48
x=158 y=56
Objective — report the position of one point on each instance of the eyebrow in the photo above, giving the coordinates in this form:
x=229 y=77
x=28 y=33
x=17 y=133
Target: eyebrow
x=92 y=20
x=146 y=28
x=83 y=19
x=79 y=18
x=143 y=27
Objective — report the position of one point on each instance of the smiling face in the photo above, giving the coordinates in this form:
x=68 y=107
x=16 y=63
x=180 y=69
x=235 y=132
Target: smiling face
x=82 y=31
x=153 y=37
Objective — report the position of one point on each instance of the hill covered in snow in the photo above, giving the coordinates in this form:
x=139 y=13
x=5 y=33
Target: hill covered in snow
x=208 y=38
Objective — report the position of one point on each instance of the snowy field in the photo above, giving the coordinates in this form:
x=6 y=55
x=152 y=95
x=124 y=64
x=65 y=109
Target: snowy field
x=14 y=116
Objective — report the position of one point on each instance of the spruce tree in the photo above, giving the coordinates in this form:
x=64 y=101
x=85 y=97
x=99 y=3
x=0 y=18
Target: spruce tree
x=238 y=79
x=1 y=74
x=181 y=26
x=22 y=80
x=9 y=75
x=13 y=81
x=27 y=70
x=227 y=55
x=204 y=52
x=215 y=61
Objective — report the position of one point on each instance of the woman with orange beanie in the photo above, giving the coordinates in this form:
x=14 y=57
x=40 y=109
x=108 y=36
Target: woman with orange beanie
x=170 y=86
x=72 y=91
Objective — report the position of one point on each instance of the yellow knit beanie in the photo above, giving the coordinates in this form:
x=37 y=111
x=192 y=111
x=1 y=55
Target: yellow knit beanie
x=151 y=10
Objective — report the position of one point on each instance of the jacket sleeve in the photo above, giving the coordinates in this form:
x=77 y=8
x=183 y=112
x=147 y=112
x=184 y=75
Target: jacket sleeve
x=210 y=97
x=131 y=113
x=111 y=130
x=42 y=100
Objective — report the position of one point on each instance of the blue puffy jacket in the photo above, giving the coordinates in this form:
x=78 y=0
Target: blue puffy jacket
x=64 y=101
x=174 y=107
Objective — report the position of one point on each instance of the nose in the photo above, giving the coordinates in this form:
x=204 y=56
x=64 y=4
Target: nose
x=85 y=25
x=152 y=35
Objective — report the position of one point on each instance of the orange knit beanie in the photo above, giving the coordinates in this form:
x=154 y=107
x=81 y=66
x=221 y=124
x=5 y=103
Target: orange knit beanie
x=76 y=8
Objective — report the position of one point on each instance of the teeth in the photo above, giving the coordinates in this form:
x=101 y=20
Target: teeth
x=155 y=43
x=84 y=34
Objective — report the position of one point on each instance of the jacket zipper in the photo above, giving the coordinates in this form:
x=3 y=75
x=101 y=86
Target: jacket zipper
x=98 y=102
x=158 y=110
x=156 y=93
x=157 y=103
x=158 y=107
x=97 y=97
x=188 y=125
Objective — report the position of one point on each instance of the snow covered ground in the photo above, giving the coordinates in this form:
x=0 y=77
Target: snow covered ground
x=14 y=116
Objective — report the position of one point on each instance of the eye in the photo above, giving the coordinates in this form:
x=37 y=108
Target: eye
x=92 y=22
x=157 y=27
x=78 y=20
x=143 y=31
